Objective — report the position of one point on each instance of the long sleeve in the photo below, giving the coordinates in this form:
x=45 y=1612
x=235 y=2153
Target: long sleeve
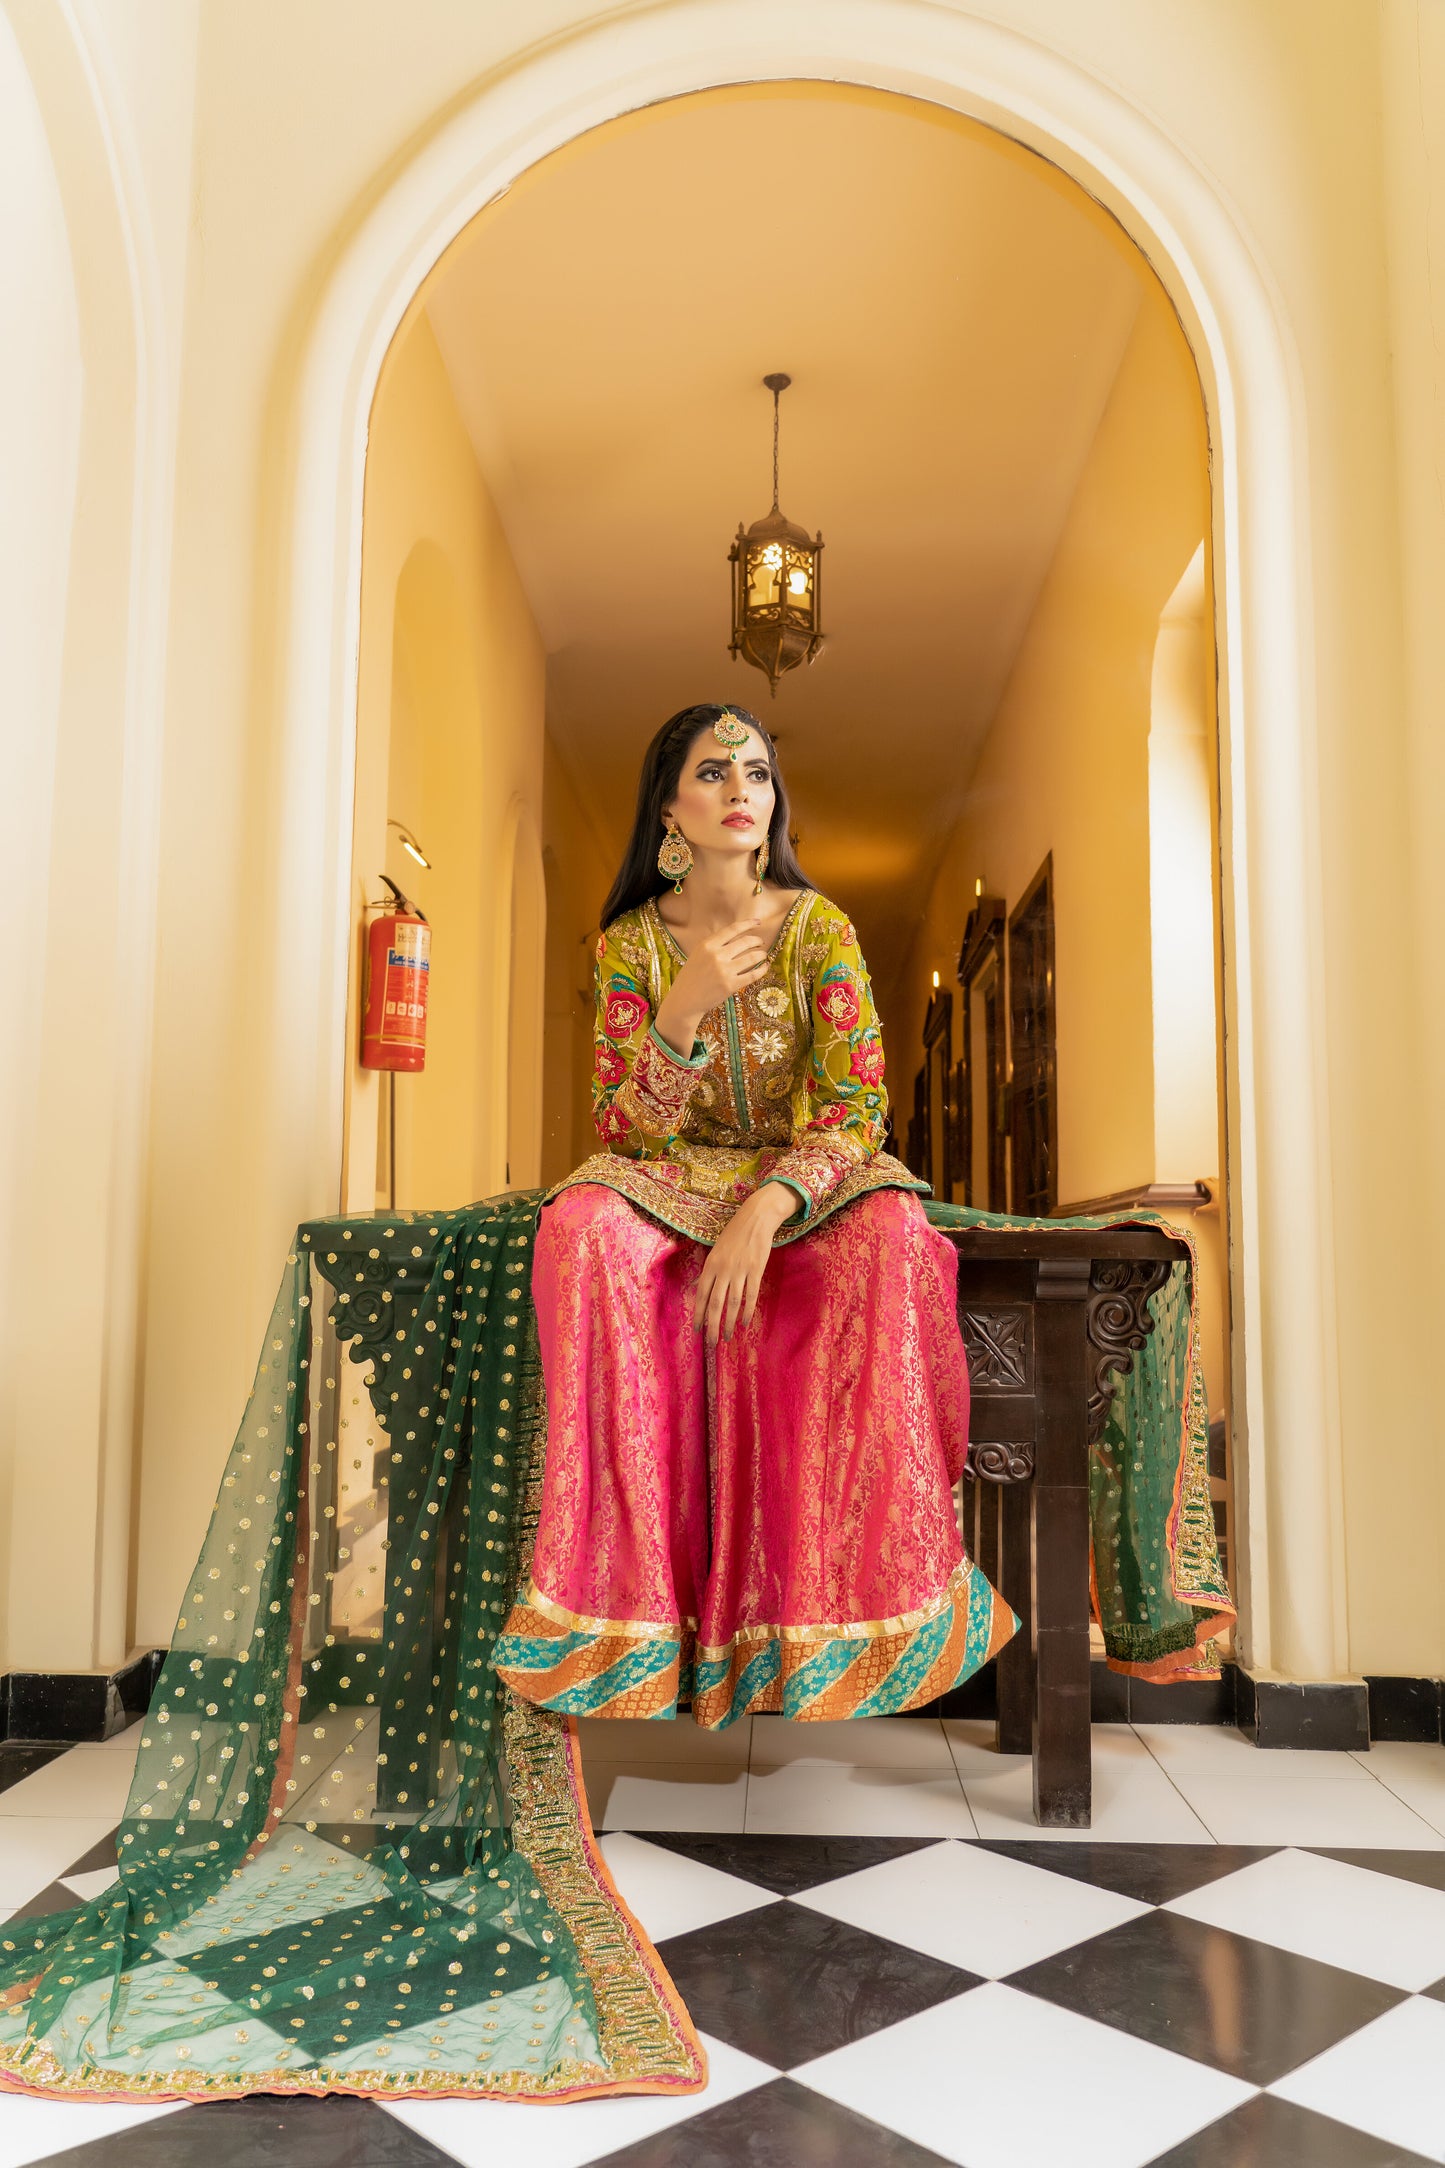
x=640 y=1087
x=847 y=1101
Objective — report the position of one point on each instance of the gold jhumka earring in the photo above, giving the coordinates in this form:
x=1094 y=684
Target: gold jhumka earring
x=674 y=860
x=762 y=866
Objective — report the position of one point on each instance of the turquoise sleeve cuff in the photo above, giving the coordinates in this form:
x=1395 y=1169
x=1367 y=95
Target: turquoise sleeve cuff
x=698 y=1058
x=787 y=1181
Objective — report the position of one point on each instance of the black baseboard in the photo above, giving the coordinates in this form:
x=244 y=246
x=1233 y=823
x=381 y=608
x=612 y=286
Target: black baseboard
x=76 y=1705
x=1274 y=1712
x=1410 y=1709
x=1114 y=1698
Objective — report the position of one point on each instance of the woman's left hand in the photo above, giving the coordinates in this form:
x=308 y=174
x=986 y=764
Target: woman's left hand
x=727 y=1291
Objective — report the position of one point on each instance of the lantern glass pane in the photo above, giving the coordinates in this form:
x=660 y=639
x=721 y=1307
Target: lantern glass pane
x=799 y=581
x=765 y=575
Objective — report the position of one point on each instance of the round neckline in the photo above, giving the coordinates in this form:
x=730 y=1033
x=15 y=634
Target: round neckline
x=784 y=924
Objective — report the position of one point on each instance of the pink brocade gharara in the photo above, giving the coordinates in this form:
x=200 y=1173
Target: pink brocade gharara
x=767 y=1527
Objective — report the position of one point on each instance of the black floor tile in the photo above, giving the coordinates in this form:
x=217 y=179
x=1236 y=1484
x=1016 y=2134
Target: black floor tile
x=781 y=2125
x=267 y=2131
x=1437 y=1992
x=1240 y=2006
x=1270 y=2133
x=786 y=1983
x=1152 y=1873
x=22 y=1758
x=1427 y=1868
x=102 y=1853
x=787 y=1865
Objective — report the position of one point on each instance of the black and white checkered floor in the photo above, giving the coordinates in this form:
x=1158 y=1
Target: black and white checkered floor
x=1241 y=1966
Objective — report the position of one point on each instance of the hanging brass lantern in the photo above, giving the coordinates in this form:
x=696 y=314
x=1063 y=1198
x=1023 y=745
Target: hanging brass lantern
x=776 y=605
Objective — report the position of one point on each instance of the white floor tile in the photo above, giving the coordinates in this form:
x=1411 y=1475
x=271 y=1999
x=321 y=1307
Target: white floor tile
x=971 y=1742
x=805 y=1799
x=85 y=1780
x=671 y=1895
x=496 y=2133
x=93 y=1884
x=1134 y=1801
x=996 y=2079
x=33 y=1851
x=666 y=1795
x=1415 y=1774
x=1343 y=1915
x=972 y=1908
x=32 y=2130
x=1209 y=1750
x=875 y=1742
x=1292 y=1810
x=635 y=1739
x=1388 y=2079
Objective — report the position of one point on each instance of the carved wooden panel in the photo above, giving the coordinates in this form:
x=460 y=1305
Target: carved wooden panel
x=1119 y=1323
x=1000 y=1349
x=1001 y=1463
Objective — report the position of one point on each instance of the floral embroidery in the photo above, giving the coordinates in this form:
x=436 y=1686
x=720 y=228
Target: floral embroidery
x=610 y=1067
x=787 y=1081
x=837 y=998
x=767 y=1045
x=867 y=1062
x=626 y=1009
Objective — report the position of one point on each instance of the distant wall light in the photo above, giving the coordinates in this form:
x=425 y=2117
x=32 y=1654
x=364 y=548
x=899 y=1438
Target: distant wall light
x=978 y=886
x=935 y=979
x=409 y=844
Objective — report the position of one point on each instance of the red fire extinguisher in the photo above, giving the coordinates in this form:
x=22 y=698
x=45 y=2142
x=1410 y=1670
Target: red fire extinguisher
x=394 y=991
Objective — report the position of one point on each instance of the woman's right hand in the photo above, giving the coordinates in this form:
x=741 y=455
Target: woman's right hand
x=722 y=964
x=719 y=965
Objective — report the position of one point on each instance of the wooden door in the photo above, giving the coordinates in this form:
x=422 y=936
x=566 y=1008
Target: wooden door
x=1033 y=1088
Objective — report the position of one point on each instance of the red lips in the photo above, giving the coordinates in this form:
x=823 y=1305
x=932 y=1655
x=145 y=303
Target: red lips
x=738 y=820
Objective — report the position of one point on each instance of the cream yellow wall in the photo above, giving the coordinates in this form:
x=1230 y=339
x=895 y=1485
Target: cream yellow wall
x=1319 y=124
x=580 y=865
x=452 y=690
x=1064 y=769
x=449 y=652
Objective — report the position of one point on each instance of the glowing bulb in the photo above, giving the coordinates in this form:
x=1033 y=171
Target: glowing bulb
x=978 y=886
x=935 y=980
x=798 y=582
x=773 y=556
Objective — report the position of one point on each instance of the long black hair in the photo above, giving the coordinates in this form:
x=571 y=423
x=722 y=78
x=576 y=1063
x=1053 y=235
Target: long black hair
x=638 y=877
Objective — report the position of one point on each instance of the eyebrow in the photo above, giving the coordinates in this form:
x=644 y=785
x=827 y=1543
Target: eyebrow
x=719 y=760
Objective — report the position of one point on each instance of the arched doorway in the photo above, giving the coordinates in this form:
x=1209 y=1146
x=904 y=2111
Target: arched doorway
x=1285 y=1387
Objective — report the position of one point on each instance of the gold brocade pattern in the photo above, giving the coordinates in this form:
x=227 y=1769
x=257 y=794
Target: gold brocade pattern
x=785 y=1082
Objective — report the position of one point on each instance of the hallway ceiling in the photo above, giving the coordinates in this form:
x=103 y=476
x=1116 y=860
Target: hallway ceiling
x=953 y=315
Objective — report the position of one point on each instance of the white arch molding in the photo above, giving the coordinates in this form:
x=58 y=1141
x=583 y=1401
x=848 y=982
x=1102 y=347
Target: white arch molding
x=1290 y=1519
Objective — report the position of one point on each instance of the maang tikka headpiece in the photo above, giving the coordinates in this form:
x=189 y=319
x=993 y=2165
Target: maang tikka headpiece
x=730 y=730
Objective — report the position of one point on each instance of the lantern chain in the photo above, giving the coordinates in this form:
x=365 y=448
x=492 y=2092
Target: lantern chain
x=776 y=396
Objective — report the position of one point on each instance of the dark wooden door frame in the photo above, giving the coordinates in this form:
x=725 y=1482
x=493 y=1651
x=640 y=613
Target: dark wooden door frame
x=1021 y=1100
x=937 y=1121
x=983 y=942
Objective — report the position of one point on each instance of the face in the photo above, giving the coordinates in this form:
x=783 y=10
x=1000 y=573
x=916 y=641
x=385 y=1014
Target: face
x=721 y=804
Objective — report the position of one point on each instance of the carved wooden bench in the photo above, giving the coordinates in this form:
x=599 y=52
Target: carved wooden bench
x=1051 y=1319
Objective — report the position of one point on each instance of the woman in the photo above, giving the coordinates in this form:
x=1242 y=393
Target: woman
x=757 y=1390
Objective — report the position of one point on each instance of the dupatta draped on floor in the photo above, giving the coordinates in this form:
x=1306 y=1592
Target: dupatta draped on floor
x=351 y=1860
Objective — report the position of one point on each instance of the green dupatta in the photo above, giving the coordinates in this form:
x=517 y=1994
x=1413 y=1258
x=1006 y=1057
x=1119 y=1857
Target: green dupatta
x=350 y=1860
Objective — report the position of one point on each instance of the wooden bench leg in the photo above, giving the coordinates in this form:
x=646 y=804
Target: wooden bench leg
x=1062 y=1773
x=1015 y=1666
